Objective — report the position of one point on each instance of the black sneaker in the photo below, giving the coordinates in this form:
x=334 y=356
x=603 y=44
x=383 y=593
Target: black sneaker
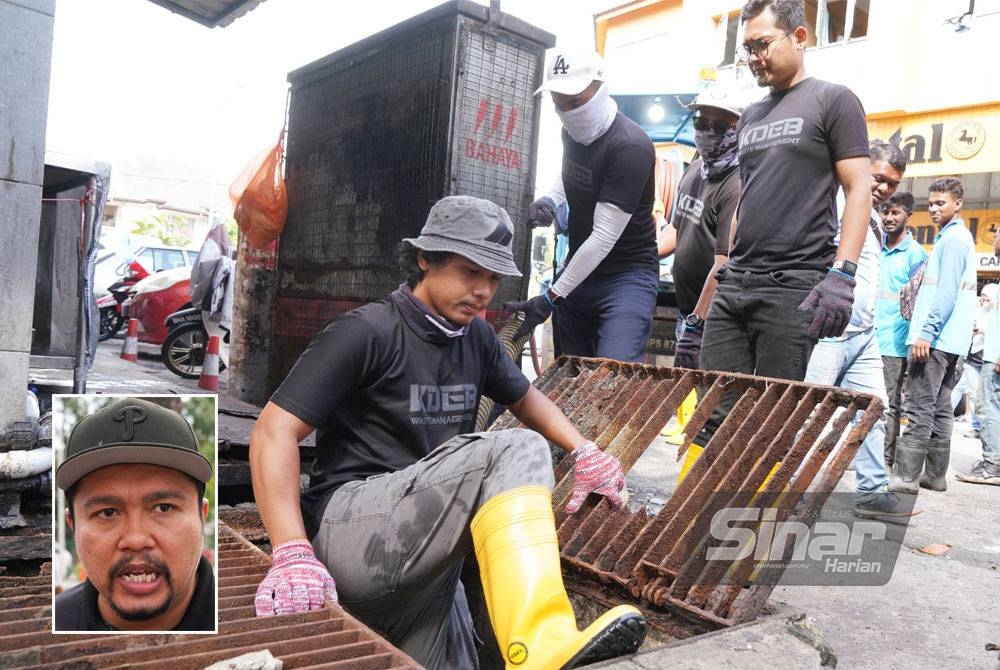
x=982 y=472
x=886 y=505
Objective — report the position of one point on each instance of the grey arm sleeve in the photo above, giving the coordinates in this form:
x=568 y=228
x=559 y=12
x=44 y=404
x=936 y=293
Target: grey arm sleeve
x=609 y=222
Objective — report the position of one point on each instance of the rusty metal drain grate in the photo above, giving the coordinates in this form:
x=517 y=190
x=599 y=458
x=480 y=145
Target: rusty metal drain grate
x=803 y=429
x=328 y=638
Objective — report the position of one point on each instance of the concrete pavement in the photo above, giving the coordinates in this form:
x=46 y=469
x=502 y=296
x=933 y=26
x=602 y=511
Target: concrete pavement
x=111 y=375
x=935 y=611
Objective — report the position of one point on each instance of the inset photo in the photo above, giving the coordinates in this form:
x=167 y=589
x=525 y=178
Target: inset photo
x=134 y=514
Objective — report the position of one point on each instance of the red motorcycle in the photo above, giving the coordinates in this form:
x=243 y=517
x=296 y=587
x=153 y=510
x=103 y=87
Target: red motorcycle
x=109 y=305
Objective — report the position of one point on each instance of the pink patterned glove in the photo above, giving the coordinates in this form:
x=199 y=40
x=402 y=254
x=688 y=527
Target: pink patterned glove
x=296 y=581
x=596 y=472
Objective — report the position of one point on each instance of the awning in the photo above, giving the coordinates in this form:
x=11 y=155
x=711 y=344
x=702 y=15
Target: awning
x=664 y=116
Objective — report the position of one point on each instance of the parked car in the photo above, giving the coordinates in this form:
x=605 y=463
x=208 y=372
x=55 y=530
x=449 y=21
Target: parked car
x=155 y=298
x=159 y=258
x=110 y=267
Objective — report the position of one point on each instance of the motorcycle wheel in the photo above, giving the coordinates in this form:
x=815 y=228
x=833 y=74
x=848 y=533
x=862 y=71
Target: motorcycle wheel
x=111 y=323
x=184 y=350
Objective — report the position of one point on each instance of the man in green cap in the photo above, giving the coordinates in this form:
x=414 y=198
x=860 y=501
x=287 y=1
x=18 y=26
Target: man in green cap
x=135 y=485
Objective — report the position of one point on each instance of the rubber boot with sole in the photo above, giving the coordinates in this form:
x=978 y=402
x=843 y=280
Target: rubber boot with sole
x=515 y=540
x=936 y=465
x=909 y=463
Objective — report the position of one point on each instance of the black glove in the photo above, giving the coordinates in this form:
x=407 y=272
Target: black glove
x=831 y=302
x=687 y=354
x=536 y=311
x=541 y=212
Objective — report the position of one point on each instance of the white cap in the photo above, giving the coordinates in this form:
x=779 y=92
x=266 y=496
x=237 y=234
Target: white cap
x=721 y=97
x=569 y=71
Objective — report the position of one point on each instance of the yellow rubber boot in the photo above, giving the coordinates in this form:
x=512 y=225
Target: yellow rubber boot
x=690 y=456
x=675 y=432
x=694 y=451
x=515 y=539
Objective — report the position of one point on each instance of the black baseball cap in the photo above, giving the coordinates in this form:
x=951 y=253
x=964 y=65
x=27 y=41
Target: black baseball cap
x=132 y=430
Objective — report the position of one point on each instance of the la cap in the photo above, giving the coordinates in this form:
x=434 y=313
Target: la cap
x=132 y=430
x=477 y=229
x=569 y=71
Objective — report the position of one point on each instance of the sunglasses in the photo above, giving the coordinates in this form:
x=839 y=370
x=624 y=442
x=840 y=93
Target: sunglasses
x=717 y=126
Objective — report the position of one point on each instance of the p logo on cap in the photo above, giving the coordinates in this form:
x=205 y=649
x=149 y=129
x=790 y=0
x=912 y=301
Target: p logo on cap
x=132 y=430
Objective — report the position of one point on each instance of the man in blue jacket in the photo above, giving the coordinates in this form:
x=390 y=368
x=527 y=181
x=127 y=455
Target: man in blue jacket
x=940 y=335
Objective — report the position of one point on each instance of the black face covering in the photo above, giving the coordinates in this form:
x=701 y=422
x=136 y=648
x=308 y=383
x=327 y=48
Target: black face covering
x=718 y=152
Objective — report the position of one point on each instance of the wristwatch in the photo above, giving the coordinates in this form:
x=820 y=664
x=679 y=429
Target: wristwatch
x=694 y=321
x=845 y=266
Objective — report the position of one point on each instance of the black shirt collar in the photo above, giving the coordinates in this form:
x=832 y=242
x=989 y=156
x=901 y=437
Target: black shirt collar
x=422 y=320
x=200 y=614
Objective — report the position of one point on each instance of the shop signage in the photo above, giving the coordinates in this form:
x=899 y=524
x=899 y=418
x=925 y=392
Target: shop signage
x=962 y=141
x=965 y=139
x=988 y=262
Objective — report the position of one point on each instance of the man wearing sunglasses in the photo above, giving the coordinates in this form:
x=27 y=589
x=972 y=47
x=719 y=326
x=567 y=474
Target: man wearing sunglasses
x=787 y=283
x=706 y=204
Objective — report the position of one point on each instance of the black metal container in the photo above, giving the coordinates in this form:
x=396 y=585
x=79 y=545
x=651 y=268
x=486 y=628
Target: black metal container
x=441 y=104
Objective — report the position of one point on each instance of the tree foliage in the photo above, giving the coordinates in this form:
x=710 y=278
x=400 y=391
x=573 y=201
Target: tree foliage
x=169 y=229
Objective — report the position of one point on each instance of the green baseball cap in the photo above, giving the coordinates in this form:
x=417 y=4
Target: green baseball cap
x=132 y=430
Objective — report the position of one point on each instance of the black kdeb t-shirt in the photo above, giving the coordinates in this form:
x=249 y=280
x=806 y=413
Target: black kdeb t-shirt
x=703 y=217
x=617 y=168
x=384 y=387
x=789 y=143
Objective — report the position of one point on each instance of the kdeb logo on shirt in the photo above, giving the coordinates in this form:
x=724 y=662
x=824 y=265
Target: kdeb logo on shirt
x=452 y=398
x=691 y=207
x=764 y=136
x=439 y=405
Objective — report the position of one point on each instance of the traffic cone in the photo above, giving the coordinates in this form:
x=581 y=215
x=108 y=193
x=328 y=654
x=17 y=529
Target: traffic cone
x=130 y=348
x=209 y=379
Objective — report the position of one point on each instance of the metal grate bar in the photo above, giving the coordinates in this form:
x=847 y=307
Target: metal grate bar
x=782 y=439
x=321 y=638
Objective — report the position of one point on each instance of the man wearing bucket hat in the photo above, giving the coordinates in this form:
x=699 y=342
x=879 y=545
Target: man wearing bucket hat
x=135 y=485
x=402 y=490
x=707 y=197
x=605 y=297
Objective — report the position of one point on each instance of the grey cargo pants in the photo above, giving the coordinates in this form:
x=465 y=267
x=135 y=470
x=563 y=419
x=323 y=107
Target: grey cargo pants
x=395 y=543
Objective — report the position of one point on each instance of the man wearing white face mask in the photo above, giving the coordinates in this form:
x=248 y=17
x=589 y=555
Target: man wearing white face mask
x=605 y=297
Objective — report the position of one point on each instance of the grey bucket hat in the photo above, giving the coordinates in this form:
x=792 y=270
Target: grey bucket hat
x=477 y=229
x=132 y=430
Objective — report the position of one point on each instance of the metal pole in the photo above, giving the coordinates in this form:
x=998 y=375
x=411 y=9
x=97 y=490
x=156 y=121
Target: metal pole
x=84 y=296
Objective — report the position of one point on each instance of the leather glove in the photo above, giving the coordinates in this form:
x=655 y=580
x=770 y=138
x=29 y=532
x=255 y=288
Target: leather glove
x=687 y=353
x=541 y=212
x=296 y=581
x=536 y=311
x=596 y=472
x=831 y=302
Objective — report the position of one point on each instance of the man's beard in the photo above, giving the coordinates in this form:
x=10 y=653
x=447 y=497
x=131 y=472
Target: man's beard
x=143 y=613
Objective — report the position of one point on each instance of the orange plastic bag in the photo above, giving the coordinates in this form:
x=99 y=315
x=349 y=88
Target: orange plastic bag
x=260 y=197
